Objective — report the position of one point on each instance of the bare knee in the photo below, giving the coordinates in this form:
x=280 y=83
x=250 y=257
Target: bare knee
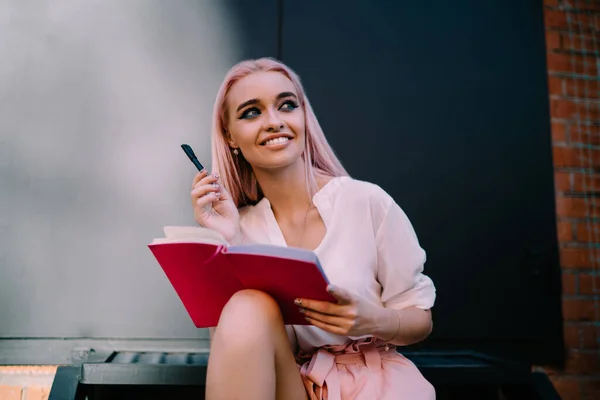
x=249 y=312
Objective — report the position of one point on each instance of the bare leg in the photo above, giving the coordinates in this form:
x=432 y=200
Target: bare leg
x=250 y=356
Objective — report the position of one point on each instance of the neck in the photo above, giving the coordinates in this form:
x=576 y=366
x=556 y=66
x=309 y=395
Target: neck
x=285 y=188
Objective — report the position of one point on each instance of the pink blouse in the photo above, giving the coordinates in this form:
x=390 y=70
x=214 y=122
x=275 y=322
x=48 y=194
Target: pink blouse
x=369 y=248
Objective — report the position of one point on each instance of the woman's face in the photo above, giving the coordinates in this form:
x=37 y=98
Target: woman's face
x=266 y=122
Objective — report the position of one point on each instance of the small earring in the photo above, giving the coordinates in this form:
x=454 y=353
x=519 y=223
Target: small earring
x=235 y=152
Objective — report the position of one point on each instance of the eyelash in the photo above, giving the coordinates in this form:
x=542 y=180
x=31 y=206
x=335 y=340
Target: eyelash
x=292 y=107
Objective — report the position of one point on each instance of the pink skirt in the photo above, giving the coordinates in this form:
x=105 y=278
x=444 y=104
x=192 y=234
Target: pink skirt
x=362 y=370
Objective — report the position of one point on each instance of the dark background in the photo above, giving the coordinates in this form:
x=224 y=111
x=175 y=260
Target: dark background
x=445 y=105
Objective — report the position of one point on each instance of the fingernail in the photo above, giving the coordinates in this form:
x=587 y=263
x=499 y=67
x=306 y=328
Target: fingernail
x=298 y=301
x=217 y=194
x=215 y=185
x=302 y=310
x=330 y=288
x=216 y=175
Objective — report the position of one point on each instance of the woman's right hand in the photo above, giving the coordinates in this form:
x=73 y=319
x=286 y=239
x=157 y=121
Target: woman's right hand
x=214 y=207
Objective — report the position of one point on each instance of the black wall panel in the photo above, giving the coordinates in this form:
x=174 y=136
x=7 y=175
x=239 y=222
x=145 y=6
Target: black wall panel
x=445 y=105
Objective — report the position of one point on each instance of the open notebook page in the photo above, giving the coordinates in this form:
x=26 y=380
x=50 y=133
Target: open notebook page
x=293 y=253
x=190 y=234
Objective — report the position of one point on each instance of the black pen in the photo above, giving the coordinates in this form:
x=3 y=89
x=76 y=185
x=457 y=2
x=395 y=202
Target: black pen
x=190 y=153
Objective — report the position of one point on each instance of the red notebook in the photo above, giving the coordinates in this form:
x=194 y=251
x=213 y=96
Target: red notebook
x=205 y=272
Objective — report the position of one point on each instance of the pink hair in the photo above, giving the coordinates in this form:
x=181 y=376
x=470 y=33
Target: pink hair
x=236 y=173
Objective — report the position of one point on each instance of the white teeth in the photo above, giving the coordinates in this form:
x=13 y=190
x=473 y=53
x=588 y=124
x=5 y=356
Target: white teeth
x=276 y=141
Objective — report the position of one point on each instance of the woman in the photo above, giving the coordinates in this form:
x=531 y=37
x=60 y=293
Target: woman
x=277 y=181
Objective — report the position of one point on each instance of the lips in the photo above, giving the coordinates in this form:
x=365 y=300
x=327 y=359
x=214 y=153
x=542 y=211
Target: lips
x=275 y=139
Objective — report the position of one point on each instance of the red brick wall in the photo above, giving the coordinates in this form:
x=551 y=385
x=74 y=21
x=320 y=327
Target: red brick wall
x=28 y=382
x=573 y=46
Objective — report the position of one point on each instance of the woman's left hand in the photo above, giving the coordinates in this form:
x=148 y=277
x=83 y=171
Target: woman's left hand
x=351 y=316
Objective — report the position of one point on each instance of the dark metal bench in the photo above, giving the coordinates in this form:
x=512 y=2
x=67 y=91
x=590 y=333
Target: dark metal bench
x=150 y=375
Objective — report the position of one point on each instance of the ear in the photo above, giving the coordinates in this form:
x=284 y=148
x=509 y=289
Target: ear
x=232 y=144
x=229 y=139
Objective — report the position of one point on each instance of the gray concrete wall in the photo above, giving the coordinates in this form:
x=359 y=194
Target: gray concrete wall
x=95 y=99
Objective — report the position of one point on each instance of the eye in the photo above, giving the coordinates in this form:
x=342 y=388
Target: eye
x=250 y=113
x=288 y=105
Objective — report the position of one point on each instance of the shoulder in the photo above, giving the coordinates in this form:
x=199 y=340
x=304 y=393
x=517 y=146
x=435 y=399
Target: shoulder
x=387 y=218
x=358 y=198
x=249 y=213
x=254 y=224
x=357 y=192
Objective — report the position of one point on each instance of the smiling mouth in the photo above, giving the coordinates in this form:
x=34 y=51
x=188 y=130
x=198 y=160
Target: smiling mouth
x=278 y=140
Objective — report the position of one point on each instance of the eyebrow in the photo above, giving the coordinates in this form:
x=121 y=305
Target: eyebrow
x=254 y=101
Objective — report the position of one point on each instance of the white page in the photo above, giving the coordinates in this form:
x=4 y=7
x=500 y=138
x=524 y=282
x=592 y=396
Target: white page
x=293 y=253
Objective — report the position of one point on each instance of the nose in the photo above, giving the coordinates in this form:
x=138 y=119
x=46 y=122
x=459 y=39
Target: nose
x=274 y=124
x=275 y=128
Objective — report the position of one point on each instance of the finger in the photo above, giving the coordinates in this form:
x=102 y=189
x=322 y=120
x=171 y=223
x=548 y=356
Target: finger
x=204 y=190
x=225 y=195
x=214 y=178
x=333 y=320
x=199 y=176
x=208 y=199
x=326 y=327
x=342 y=295
x=208 y=179
x=323 y=307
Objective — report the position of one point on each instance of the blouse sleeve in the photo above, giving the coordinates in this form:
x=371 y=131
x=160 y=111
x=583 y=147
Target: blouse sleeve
x=401 y=262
